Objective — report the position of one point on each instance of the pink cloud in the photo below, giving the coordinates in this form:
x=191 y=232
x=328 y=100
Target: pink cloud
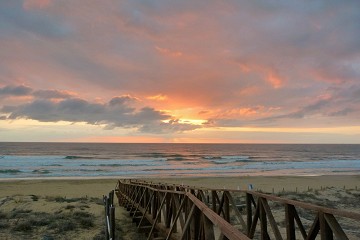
x=36 y=4
x=269 y=74
x=168 y=52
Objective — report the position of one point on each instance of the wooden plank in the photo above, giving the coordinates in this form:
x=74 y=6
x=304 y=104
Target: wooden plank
x=209 y=229
x=226 y=207
x=137 y=207
x=236 y=210
x=112 y=222
x=335 y=227
x=290 y=223
x=254 y=221
x=314 y=230
x=221 y=205
x=147 y=208
x=168 y=211
x=299 y=223
x=337 y=212
x=263 y=221
x=179 y=213
x=271 y=218
x=188 y=221
x=179 y=207
x=325 y=230
x=248 y=213
x=213 y=199
x=157 y=216
x=226 y=228
x=134 y=199
x=203 y=198
x=195 y=227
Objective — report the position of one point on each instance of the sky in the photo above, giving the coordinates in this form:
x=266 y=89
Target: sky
x=199 y=71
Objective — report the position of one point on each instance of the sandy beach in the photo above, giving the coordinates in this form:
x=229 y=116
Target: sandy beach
x=99 y=187
x=21 y=200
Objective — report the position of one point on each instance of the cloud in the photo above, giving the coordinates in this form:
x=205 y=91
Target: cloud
x=336 y=73
x=53 y=94
x=36 y=4
x=116 y=113
x=168 y=52
x=158 y=97
x=122 y=100
x=13 y=90
x=19 y=19
x=342 y=112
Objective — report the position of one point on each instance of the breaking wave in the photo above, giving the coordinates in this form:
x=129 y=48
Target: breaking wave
x=9 y=171
x=227 y=159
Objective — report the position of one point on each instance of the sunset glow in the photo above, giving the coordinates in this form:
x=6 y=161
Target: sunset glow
x=180 y=71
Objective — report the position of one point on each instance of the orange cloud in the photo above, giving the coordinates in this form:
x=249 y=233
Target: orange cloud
x=36 y=4
x=119 y=139
x=159 y=97
x=168 y=52
x=269 y=74
x=274 y=79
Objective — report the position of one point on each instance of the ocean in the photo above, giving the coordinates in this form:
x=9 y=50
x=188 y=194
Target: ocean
x=91 y=160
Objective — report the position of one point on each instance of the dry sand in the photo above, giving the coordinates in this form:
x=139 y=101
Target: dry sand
x=29 y=198
x=99 y=187
x=270 y=183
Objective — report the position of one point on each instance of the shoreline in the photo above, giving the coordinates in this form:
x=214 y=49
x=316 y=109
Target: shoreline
x=183 y=176
x=96 y=187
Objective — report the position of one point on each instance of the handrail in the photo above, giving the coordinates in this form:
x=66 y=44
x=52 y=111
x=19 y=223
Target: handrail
x=201 y=213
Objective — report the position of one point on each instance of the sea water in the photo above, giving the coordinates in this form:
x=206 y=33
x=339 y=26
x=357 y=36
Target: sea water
x=45 y=160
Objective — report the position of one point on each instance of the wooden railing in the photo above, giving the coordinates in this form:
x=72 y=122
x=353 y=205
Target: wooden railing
x=109 y=216
x=182 y=212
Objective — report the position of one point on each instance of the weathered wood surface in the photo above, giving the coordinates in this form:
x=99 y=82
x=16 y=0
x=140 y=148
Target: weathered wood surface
x=183 y=212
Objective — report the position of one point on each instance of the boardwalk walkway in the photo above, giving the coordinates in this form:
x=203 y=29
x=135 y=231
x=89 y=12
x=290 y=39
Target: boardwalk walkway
x=182 y=212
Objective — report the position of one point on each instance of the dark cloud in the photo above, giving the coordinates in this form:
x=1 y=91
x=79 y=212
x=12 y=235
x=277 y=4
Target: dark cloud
x=115 y=101
x=52 y=94
x=342 y=112
x=115 y=113
x=20 y=90
x=15 y=20
x=315 y=108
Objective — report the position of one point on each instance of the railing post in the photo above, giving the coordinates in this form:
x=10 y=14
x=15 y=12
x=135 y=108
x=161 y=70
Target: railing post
x=112 y=222
x=213 y=199
x=263 y=221
x=105 y=200
x=325 y=230
x=249 y=213
x=289 y=219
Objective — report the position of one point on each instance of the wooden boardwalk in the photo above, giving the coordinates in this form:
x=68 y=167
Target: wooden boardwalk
x=182 y=212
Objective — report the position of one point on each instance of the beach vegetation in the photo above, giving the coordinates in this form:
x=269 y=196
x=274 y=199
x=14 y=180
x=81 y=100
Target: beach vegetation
x=61 y=199
x=70 y=207
x=3 y=215
x=24 y=226
x=47 y=237
x=82 y=207
x=100 y=235
x=86 y=222
x=41 y=219
x=34 y=198
x=16 y=213
x=63 y=225
x=4 y=225
x=98 y=201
